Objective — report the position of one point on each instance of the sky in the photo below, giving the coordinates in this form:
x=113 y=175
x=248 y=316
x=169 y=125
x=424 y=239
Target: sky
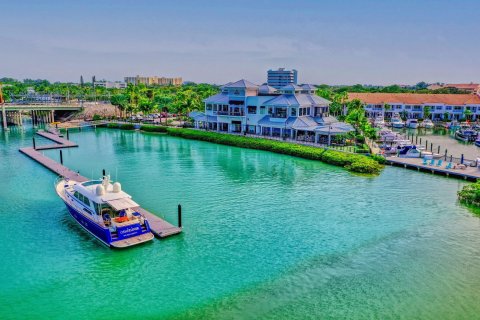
x=333 y=42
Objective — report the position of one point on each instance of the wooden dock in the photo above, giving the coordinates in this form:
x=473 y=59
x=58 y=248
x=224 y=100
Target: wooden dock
x=469 y=173
x=159 y=227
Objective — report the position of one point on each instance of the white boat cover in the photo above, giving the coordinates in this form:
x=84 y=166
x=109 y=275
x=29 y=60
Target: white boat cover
x=120 y=204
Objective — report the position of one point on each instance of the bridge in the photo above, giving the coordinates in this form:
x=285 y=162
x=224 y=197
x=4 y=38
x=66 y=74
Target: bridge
x=39 y=112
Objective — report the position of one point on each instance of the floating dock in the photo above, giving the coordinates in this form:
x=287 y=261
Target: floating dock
x=159 y=227
x=469 y=173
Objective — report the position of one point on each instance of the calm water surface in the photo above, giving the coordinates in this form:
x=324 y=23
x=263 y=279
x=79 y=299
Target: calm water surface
x=265 y=235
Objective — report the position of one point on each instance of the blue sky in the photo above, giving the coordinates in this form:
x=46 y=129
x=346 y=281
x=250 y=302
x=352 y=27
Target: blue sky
x=333 y=42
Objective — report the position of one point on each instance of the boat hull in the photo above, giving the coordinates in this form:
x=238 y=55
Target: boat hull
x=126 y=236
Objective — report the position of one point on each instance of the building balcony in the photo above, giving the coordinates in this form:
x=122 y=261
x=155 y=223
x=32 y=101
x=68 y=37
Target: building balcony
x=231 y=113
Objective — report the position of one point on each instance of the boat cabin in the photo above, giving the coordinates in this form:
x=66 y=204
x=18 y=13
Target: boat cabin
x=104 y=202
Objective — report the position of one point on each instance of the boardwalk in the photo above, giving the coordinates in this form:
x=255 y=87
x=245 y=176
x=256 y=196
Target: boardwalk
x=469 y=173
x=60 y=142
x=159 y=227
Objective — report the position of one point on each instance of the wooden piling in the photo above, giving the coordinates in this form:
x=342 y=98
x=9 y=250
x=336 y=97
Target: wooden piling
x=179 y=215
x=61 y=157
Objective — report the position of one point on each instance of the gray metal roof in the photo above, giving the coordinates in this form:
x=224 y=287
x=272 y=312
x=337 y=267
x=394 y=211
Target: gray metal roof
x=219 y=98
x=308 y=86
x=300 y=99
x=241 y=84
x=305 y=123
x=199 y=116
x=290 y=87
x=266 y=89
x=335 y=128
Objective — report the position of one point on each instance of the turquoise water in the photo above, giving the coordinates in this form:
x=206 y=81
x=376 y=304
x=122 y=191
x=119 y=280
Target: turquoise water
x=265 y=236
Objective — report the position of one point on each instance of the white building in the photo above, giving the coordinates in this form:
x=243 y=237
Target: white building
x=110 y=84
x=440 y=106
x=291 y=111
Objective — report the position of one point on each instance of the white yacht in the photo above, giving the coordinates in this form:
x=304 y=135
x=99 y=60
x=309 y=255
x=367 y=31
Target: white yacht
x=428 y=124
x=412 y=123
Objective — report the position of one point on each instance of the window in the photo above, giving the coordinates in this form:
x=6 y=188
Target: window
x=448 y=108
x=270 y=111
x=439 y=107
x=280 y=112
x=408 y=107
x=252 y=109
x=262 y=110
x=293 y=112
x=209 y=107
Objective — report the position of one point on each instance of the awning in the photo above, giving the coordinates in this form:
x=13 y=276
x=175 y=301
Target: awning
x=120 y=204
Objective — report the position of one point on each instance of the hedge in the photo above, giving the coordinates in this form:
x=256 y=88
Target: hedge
x=353 y=162
x=151 y=128
x=123 y=126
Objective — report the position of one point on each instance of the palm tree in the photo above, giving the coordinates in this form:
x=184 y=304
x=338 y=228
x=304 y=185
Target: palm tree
x=386 y=107
x=467 y=113
x=426 y=112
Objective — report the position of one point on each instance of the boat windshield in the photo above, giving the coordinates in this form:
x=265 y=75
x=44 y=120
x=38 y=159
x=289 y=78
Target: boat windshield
x=91 y=183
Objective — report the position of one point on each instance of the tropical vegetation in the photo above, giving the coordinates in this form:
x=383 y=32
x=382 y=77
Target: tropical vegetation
x=131 y=100
x=470 y=194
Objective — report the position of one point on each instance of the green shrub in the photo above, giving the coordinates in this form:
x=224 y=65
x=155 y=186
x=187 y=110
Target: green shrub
x=123 y=126
x=126 y=126
x=151 y=128
x=353 y=162
x=470 y=194
x=378 y=158
x=97 y=117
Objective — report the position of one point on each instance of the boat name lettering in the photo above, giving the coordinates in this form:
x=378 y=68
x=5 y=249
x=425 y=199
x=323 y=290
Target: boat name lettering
x=128 y=230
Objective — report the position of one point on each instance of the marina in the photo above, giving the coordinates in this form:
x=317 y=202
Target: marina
x=236 y=227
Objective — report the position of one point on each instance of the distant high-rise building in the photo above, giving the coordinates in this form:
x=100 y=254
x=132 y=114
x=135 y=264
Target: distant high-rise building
x=281 y=77
x=162 y=81
x=110 y=84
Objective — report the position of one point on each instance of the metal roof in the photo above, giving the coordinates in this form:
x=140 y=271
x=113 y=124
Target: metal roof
x=241 y=84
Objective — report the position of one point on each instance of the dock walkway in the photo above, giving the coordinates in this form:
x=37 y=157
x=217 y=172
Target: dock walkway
x=469 y=173
x=159 y=227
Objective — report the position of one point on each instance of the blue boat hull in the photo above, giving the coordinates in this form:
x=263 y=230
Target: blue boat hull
x=103 y=234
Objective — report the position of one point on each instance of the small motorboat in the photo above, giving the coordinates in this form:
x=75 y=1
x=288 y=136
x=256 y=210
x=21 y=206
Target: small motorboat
x=466 y=135
x=412 y=123
x=397 y=123
x=477 y=142
x=408 y=151
x=428 y=124
x=105 y=211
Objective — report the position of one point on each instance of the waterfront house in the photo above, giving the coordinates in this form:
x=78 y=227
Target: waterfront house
x=292 y=111
x=440 y=106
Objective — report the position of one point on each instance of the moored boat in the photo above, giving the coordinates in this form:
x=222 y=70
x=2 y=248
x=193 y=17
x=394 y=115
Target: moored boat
x=397 y=123
x=412 y=123
x=408 y=151
x=428 y=124
x=105 y=211
x=466 y=135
